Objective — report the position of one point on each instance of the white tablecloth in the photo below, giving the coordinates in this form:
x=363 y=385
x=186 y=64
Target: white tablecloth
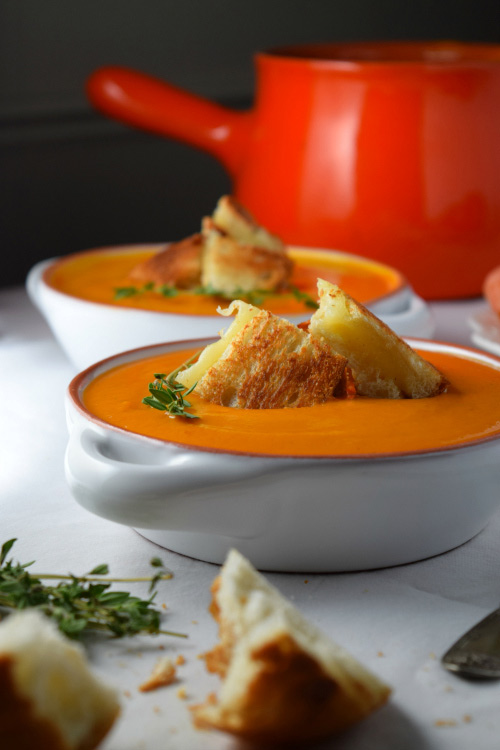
x=397 y=621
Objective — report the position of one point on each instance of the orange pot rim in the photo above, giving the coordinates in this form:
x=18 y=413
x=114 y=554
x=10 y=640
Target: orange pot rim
x=445 y=53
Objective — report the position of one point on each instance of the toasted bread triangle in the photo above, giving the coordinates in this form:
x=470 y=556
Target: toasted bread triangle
x=264 y=362
x=384 y=365
x=231 y=267
x=284 y=680
x=179 y=265
x=234 y=220
x=50 y=698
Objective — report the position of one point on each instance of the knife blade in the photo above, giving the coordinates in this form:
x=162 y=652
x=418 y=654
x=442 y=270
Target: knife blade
x=477 y=652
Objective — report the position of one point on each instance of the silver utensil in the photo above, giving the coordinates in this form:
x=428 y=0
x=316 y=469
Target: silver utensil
x=477 y=653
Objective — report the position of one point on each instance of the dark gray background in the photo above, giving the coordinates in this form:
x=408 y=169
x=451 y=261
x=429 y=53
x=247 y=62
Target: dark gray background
x=70 y=179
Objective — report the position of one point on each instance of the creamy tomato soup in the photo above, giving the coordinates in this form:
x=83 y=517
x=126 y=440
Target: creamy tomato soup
x=96 y=275
x=468 y=411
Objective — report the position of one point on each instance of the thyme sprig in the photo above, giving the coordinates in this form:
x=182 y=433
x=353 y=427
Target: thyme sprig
x=122 y=292
x=303 y=297
x=166 y=394
x=254 y=297
x=169 y=396
x=82 y=603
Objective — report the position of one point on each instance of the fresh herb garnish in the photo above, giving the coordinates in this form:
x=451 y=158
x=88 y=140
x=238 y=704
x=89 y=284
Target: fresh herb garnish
x=303 y=297
x=125 y=291
x=169 y=397
x=254 y=296
x=165 y=290
x=166 y=394
x=78 y=604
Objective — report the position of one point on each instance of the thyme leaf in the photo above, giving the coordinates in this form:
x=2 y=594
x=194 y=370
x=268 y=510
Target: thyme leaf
x=169 y=396
x=82 y=603
x=254 y=296
x=125 y=291
x=122 y=292
x=303 y=297
x=166 y=394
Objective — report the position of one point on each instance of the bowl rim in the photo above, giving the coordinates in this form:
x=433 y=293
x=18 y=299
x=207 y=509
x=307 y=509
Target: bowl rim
x=81 y=380
x=48 y=266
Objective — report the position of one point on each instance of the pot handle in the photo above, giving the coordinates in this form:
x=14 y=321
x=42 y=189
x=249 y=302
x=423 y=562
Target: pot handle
x=152 y=104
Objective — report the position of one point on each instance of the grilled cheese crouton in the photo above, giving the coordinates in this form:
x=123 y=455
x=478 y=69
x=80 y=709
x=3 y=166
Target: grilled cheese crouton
x=231 y=267
x=233 y=219
x=284 y=681
x=232 y=254
x=49 y=698
x=268 y=363
x=179 y=265
x=213 y=352
x=384 y=366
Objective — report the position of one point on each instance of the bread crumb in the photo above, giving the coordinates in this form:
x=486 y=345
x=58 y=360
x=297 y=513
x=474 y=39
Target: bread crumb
x=448 y=689
x=195 y=622
x=180 y=660
x=380 y=653
x=161 y=647
x=467 y=718
x=164 y=606
x=445 y=723
x=182 y=693
x=127 y=693
x=432 y=655
x=163 y=674
x=157 y=709
x=306 y=581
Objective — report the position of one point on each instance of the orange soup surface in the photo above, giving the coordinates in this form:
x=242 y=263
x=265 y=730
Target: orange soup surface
x=468 y=411
x=96 y=275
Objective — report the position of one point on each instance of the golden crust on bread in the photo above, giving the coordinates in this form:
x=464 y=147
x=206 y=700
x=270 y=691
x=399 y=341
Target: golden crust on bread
x=233 y=253
x=384 y=366
x=231 y=267
x=179 y=265
x=20 y=727
x=49 y=699
x=284 y=681
x=271 y=364
x=211 y=353
x=234 y=220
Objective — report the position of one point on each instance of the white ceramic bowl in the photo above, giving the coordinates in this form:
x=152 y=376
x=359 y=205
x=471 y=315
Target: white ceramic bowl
x=289 y=514
x=89 y=331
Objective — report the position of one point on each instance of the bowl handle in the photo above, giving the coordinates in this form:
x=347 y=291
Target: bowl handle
x=155 y=105
x=152 y=485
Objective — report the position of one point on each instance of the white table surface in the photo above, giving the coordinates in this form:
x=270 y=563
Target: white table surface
x=397 y=621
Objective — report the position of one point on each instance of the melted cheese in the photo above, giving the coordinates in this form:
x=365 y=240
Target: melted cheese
x=215 y=351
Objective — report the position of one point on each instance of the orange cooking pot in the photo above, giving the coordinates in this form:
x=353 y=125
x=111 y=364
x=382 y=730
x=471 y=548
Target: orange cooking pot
x=389 y=150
